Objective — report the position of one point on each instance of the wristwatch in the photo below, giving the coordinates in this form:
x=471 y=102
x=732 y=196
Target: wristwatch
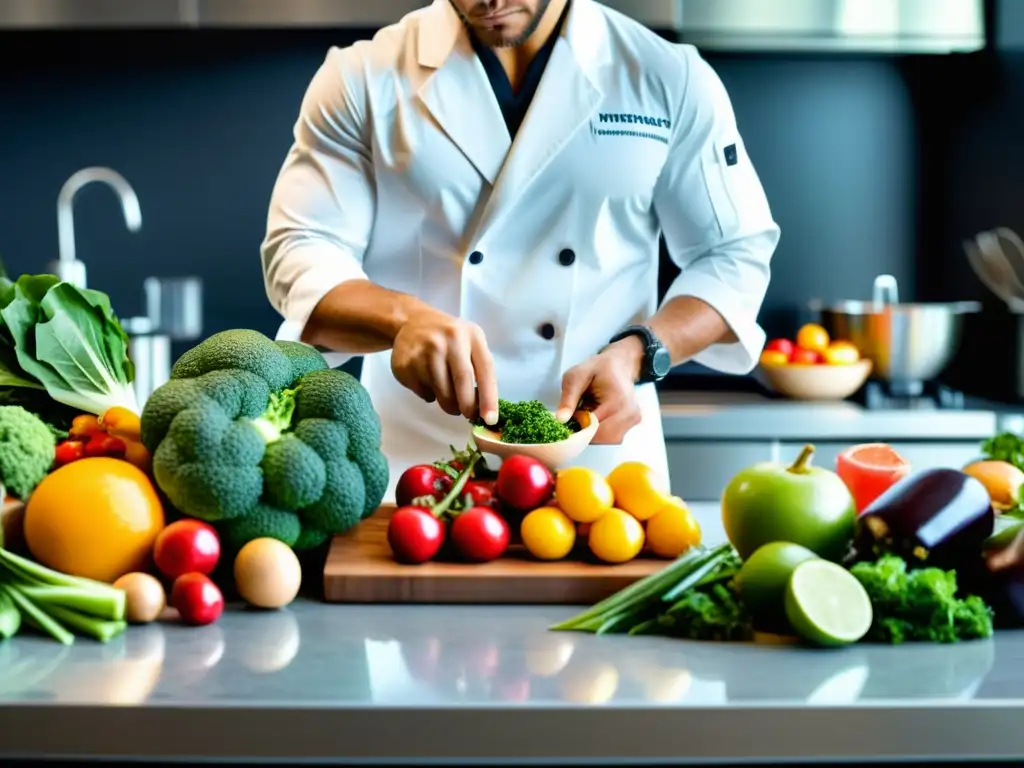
x=657 y=361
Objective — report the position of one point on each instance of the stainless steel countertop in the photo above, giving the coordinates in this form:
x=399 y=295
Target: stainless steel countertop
x=446 y=684
x=709 y=415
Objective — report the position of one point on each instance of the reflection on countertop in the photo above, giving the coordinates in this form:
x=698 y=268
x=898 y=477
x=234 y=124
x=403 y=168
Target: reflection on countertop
x=337 y=678
x=471 y=656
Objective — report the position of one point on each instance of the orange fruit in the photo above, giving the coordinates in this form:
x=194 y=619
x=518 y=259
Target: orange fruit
x=841 y=353
x=774 y=357
x=869 y=470
x=96 y=518
x=812 y=336
x=638 y=490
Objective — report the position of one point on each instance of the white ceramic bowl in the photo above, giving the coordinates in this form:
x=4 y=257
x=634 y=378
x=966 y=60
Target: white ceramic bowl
x=816 y=382
x=552 y=455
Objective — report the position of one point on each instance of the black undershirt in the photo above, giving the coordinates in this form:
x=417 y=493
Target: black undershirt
x=513 y=104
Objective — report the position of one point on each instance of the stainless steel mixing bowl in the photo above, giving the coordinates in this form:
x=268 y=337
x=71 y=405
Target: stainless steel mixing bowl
x=908 y=343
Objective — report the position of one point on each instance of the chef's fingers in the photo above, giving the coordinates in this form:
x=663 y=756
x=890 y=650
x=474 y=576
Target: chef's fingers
x=441 y=383
x=618 y=424
x=486 y=379
x=460 y=366
x=575 y=383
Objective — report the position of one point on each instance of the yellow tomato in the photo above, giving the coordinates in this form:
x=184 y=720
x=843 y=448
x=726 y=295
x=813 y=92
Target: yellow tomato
x=841 y=353
x=120 y=422
x=673 y=531
x=583 y=494
x=774 y=357
x=548 y=533
x=638 y=489
x=617 y=537
x=812 y=336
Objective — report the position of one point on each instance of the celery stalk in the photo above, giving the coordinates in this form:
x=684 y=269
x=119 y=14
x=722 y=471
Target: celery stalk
x=38 y=617
x=33 y=573
x=87 y=625
x=10 y=617
x=90 y=602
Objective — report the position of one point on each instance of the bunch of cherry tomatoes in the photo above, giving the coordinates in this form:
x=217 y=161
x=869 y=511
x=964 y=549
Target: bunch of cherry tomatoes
x=459 y=508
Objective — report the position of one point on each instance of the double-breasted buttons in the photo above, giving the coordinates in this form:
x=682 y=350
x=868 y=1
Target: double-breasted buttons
x=476 y=257
x=567 y=257
x=547 y=331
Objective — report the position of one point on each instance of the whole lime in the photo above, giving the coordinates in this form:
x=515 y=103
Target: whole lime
x=762 y=583
x=802 y=504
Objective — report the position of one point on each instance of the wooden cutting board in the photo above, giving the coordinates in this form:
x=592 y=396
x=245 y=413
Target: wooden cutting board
x=360 y=569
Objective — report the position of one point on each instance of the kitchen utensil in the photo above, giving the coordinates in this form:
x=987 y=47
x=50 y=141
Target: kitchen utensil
x=816 y=382
x=997 y=258
x=360 y=569
x=175 y=306
x=908 y=343
x=552 y=455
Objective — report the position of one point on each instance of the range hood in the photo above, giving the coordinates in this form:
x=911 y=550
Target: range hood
x=890 y=26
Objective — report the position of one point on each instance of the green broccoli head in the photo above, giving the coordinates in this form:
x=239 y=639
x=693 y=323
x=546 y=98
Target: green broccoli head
x=26 y=450
x=261 y=438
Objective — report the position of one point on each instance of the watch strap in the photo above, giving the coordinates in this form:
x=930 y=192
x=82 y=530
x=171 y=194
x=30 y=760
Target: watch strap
x=652 y=344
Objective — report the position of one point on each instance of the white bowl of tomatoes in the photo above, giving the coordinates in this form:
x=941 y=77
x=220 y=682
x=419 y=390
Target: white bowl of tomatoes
x=813 y=366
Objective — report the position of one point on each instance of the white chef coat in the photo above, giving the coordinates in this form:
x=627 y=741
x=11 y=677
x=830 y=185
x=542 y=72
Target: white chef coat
x=403 y=172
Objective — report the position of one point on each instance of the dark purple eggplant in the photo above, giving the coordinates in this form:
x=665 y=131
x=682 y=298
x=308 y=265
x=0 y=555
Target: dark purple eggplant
x=936 y=518
x=1000 y=583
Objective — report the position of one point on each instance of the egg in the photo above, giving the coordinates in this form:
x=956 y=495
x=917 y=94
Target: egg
x=267 y=573
x=145 y=597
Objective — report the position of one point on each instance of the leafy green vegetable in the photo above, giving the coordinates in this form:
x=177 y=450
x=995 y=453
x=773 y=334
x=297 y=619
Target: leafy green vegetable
x=1005 y=447
x=529 y=423
x=646 y=599
x=920 y=605
x=66 y=341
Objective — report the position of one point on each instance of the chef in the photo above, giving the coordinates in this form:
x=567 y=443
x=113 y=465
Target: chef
x=474 y=200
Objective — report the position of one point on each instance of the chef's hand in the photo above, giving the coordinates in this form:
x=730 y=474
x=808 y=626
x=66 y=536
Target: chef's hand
x=443 y=358
x=609 y=380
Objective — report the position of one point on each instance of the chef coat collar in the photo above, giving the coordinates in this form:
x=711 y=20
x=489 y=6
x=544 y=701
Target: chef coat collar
x=442 y=31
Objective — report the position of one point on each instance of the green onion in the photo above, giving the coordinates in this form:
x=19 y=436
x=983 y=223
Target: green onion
x=633 y=605
x=55 y=603
x=35 y=616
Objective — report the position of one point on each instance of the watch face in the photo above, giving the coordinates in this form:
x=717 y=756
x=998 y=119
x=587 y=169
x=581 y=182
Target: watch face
x=661 y=362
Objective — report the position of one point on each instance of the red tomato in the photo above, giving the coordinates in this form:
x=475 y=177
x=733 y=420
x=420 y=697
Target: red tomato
x=805 y=357
x=186 y=546
x=785 y=346
x=197 y=599
x=102 y=444
x=68 y=451
x=480 y=534
x=415 y=535
x=422 y=480
x=85 y=426
x=524 y=483
x=482 y=492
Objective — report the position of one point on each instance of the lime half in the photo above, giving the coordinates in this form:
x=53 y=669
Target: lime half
x=826 y=605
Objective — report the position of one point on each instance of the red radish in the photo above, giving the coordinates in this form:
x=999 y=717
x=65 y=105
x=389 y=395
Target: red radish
x=186 y=546
x=524 y=483
x=480 y=534
x=481 y=492
x=422 y=480
x=197 y=599
x=415 y=535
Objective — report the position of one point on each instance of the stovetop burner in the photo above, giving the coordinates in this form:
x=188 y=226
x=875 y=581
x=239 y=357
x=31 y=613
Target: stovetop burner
x=877 y=395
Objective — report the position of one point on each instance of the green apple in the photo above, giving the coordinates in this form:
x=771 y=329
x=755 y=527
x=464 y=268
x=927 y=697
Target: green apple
x=800 y=504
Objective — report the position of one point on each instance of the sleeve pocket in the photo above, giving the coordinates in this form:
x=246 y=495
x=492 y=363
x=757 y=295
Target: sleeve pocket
x=719 y=162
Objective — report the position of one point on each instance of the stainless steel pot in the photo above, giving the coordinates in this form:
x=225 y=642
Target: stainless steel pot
x=909 y=343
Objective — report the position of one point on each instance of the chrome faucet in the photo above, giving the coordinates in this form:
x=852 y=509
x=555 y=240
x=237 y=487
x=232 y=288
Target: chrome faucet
x=68 y=267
